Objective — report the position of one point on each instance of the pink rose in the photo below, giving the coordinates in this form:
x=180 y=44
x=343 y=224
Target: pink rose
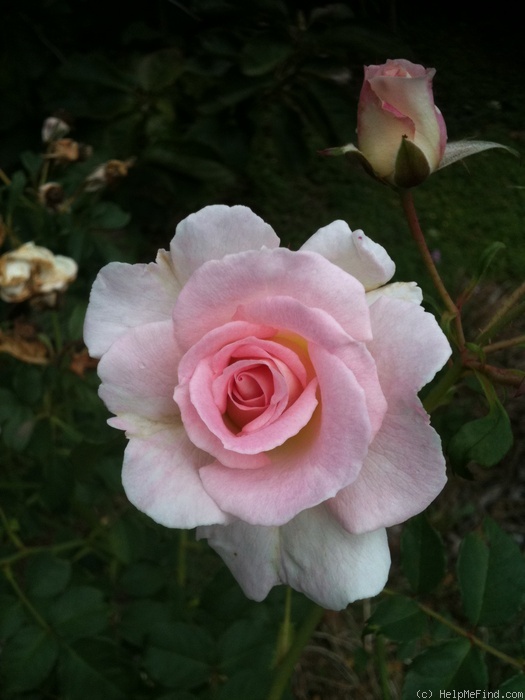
x=400 y=131
x=270 y=398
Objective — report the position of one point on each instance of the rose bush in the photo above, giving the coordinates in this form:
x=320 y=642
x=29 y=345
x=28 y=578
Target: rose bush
x=270 y=398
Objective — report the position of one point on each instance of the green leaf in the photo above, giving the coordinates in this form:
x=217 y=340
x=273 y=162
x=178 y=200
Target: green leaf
x=79 y=612
x=27 y=658
x=180 y=655
x=12 y=617
x=484 y=440
x=108 y=215
x=247 y=643
x=422 y=555
x=491 y=574
x=143 y=579
x=96 y=69
x=27 y=383
x=46 y=575
x=141 y=618
x=248 y=683
x=453 y=665
x=487 y=257
x=176 y=670
x=262 y=55
x=398 y=618
x=516 y=684
x=18 y=428
x=87 y=672
x=159 y=70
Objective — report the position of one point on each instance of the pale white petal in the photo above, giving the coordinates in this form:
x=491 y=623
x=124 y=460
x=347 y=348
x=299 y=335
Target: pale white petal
x=353 y=252
x=409 y=291
x=214 y=232
x=312 y=554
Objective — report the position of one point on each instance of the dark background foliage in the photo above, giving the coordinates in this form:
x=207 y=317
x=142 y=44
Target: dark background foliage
x=229 y=101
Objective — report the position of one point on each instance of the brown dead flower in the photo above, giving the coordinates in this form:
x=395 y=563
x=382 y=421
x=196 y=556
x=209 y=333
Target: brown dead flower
x=33 y=271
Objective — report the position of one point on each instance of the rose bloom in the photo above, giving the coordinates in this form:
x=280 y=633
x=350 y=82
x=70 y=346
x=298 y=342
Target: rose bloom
x=396 y=104
x=270 y=398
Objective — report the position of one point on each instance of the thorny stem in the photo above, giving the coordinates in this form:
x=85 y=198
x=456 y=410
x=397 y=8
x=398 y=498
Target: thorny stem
x=503 y=344
x=476 y=641
x=407 y=202
x=501 y=313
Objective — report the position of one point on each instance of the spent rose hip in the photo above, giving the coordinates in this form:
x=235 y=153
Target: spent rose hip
x=270 y=398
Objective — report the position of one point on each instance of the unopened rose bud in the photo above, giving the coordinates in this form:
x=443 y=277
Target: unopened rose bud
x=54 y=128
x=51 y=195
x=401 y=134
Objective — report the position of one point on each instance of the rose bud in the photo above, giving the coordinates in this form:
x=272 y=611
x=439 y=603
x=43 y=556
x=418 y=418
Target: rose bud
x=400 y=131
x=401 y=134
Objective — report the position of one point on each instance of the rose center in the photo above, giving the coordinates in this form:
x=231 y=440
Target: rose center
x=251 y=388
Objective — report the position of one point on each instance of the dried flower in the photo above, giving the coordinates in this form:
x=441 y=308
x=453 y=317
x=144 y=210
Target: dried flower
x=54 y=128
x=107 y=174
x=51 y=195
x=68 y=151
x=32 y=271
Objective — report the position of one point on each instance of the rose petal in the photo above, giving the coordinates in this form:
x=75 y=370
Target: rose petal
x=307 y=469
x=211 y=297
x=214 y=232
x=160 y=476
x=312 y=553
x=413 y=98
x=139 y=372
x=409 y=291
x=124 y=296
x=354 y=253
x=405 y=469
x=314 y=325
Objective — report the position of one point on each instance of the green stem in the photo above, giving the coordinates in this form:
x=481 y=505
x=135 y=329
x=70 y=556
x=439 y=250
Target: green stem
x=24 y=600
x=57 y=331
x=4 y=178
x=409 y=208
x=181 y=558
x=380 y=654
x=476 y=641
x=284 y=641
x=286 y=667
x=11 y=535
x=29 y=551
x=499 y=319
